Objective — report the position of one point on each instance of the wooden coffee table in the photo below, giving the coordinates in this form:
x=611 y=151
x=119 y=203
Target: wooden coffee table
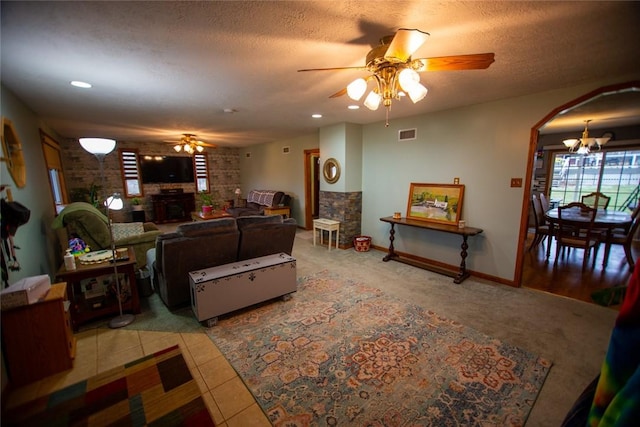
x=199 y=216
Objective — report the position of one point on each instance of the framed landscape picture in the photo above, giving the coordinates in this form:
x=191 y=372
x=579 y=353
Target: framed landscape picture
x=440 y=203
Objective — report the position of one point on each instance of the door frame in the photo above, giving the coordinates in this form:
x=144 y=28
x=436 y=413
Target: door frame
x=308 y=187
x=533 y=144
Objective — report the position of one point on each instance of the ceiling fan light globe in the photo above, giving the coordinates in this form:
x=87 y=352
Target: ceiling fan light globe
x=417 y=93
x=602 y=141
x=570 y=143
x=408 y=79
x=177 y=148
x=589 y=142
x=583 y=149
x=356 y=89
x=98 y=145
x=372 y=101
x=199 y=148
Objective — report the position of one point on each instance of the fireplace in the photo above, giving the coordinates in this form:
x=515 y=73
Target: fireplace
x=173 y=206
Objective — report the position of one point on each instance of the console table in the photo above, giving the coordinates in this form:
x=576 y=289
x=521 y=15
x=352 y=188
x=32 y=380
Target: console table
x=172 y=207
x=460 y=275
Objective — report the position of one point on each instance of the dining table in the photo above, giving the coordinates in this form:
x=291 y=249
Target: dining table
x=606 y=220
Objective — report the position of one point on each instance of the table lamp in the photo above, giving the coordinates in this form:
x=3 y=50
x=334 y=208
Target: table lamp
x=238 y=192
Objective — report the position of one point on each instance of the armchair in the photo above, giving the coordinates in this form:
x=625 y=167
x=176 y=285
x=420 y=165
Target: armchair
x=91 y=225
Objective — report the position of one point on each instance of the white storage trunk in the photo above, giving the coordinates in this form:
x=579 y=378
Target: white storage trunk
x=225 y=288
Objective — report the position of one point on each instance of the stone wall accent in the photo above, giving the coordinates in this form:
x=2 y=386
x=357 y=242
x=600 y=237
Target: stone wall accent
x=81 y=170
x=346 y=208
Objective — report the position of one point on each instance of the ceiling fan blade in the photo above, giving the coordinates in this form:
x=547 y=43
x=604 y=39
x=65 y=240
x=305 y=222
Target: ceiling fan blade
x=334 y=69
x=404 y=43
x=206 y=144
x=339 y=93
x=478 y=61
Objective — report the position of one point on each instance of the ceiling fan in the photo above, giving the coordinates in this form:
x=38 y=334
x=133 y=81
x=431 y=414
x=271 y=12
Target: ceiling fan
x=395 y=73
x=190 y=144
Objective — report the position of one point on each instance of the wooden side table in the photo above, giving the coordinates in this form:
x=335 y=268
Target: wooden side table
x=37 y=338
x=329 y=225
x=88 y=304
x=285 y=211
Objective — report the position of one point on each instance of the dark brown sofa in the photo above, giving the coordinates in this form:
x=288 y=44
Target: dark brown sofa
x=258 y=200
x=204 y=244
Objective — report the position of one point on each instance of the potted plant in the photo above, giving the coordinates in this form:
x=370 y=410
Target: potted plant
x=206 y=200
x=135 y=204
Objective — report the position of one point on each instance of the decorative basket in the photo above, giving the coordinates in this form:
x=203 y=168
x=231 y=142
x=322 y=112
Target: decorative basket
x=361 y=243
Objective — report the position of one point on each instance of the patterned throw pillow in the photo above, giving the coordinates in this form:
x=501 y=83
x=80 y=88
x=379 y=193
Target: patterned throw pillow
x=122 y=230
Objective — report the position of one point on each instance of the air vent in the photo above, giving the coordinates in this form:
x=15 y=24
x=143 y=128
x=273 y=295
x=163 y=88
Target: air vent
x=407 y=134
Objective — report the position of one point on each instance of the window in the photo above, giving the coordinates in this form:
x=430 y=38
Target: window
x=130 y=170
x=613 y=172
x=53 y=160
x=202 y=172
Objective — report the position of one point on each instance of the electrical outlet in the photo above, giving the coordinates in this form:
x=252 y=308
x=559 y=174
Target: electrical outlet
x=516 y=182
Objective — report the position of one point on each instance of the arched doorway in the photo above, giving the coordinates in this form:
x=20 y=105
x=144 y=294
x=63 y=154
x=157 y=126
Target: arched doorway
x=577 y=106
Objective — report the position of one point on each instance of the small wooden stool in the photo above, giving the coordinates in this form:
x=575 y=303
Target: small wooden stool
x=329 y=225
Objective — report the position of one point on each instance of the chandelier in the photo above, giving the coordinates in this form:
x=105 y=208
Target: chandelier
x=190 y=144
x=393 y=80
x=583 y=145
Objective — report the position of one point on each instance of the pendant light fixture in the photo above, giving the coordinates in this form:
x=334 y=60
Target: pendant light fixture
x=584 y=145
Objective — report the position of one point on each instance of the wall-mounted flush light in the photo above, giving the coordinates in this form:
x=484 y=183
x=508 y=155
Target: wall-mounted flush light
x=316 y=116
x=78 y=83
x=353 y=107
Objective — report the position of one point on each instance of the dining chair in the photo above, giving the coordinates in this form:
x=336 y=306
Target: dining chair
x=542 y=229
x=596 y=200
x=544 y=202
x=625 y=239
x=579 y=234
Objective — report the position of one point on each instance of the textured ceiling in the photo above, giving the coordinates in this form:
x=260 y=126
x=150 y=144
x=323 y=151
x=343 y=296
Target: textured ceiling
x=160 y=69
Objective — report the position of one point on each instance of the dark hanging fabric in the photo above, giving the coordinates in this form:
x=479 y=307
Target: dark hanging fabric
x=14 y=214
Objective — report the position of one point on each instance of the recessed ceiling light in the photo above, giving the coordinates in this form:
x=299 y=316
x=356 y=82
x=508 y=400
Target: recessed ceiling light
x=316 y=116
x=78 y=83
x=353 y=107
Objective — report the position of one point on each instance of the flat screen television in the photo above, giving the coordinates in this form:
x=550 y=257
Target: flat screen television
x=166 y=169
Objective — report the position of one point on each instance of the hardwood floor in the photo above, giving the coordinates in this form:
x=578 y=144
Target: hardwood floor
x=567 y=278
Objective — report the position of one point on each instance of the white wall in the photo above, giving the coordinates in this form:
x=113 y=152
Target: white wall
x=268 y=168
x=485 y=146
x=35 y=253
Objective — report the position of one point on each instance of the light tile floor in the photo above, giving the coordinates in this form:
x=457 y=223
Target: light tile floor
x=229 y=401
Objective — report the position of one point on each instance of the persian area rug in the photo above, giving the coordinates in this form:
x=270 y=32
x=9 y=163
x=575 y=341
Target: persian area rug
x=343 y=353
x=155 y=390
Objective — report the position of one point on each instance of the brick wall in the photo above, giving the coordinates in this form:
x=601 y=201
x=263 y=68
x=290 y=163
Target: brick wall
x=346 y=208
x=81 y=169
